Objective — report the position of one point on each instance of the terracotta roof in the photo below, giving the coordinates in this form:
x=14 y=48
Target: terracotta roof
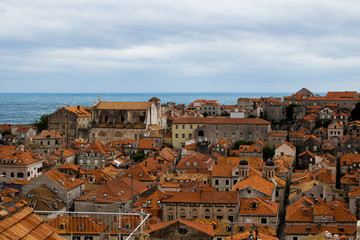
x=22 y=129
x=205 y=228
x=64 y=181
x=222 y=170
x=97 y=176
x=78 y=110
x=48 y=134
x=196 y=161
x=77 y=225
x=118 y=190
x=5 y=127
x=277 y=134
x=124 y=105
x=316 y=229
x=43 y=199
x=257 y=182
x=244 y=236
x=307 y=153
x=12 y=155
x=66 y=152
x=74 y=167
x=258 y=206
x=350 y=158
x=99 y=147
x=345 y=94
x=247 y=121
x=20 y=222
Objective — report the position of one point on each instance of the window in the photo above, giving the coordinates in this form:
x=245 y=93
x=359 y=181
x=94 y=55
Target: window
x=88 y=238
x=4 y=174
x=227 y=182
x=20 y=175
x=176 y=135
x=171 y=217
x=187 y=164
x=183 y=126
x=263 y=221
x=176 y=126
x=216 y=182
x=190 y=135
x=195 y=164
x=12 y=174
x=183 y=135
x=76 y=238
x=191 y=127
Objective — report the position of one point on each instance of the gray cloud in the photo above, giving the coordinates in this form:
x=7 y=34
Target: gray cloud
x=230 y=45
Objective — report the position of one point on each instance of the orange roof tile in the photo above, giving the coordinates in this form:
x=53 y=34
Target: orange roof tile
x=64 y=181
x=257 y=182
x=124 y=105
x=78 y=110
x=20 y=222
x=263 y=207
x=205 y=228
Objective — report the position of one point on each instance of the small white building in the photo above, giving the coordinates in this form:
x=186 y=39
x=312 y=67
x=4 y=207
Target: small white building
x=16 y=163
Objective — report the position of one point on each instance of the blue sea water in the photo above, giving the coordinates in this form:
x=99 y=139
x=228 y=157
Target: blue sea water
x=21 y=108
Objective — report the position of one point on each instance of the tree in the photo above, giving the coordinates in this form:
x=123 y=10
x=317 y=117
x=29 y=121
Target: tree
x=138 y=157
x=241 y=142
x=355 y=114
x=268 y=152
x=43 y=123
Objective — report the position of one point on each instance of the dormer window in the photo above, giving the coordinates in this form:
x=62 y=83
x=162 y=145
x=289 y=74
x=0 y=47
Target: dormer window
x=195 y=164
x=253 y=205
x=81 y=227
x=61 y=226
x=187 y=164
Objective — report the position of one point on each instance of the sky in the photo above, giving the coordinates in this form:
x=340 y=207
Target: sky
x=179 y=46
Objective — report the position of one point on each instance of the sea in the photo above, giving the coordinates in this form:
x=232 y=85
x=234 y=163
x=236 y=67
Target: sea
x=24 y=108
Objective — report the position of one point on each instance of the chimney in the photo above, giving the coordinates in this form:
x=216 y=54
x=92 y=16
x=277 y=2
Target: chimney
x=21 y=148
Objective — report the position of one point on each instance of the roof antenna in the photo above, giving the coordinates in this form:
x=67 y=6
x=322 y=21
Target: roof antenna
x=99 y=96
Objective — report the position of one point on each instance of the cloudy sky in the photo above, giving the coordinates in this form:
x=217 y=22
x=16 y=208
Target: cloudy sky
x=179 y=46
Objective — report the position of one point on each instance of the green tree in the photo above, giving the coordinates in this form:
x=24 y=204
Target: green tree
x=138 y=157
x=268 y=152
x=43 y=123
x=241 y=142
x=355 y=114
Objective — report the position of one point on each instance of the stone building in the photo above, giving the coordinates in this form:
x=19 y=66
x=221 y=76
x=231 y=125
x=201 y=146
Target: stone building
x=353 y=128
x=48 y=140
x=123 y=120
x=16 y=163
x=212 y=129
x=96 y=155
x=207 y=107
x=258 y=211
x=275 y=138
x=202 y=204
x=179 y=229
x=275 y=112
x=72 y=122
x=66 y=188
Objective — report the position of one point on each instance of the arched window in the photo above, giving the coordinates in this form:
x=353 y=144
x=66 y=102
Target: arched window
x=201 y=133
